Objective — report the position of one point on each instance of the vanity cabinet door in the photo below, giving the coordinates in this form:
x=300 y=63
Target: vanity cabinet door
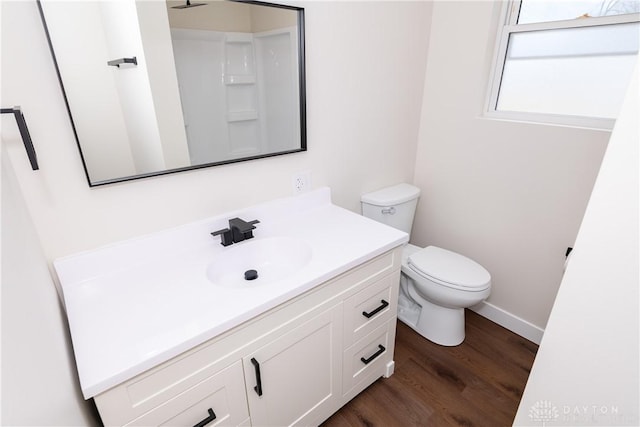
x=296 y=378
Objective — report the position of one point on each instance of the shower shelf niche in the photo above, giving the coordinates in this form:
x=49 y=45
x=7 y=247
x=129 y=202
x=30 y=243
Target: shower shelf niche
x=242 y=94
x=247 y=103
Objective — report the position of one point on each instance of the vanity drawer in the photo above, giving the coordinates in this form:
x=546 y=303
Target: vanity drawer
x=220 y=398
x=370 y=308
x=367 y=360
x=200 y=372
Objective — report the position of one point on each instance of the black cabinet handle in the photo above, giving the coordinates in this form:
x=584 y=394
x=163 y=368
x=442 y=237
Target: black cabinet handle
x=211 y=417
x=256 y=366
x=383 y=305
x=381 y=350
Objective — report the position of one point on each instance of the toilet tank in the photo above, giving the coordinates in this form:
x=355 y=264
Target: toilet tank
x=394 y=206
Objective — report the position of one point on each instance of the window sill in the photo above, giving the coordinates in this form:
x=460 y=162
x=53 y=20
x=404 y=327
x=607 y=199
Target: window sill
x=590 y=123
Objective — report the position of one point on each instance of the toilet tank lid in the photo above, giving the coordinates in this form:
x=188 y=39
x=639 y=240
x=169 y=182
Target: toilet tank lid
x=392 y=195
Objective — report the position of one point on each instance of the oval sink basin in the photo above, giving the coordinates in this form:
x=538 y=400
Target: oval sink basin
x=272 y=258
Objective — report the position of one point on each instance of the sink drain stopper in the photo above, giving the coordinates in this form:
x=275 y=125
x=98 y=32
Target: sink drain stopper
x=250 y=275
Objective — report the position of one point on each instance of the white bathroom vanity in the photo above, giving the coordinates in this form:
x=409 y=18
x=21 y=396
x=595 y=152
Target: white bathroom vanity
x=167 y=331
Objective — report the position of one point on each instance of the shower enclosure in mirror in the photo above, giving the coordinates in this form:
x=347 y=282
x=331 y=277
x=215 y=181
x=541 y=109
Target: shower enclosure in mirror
x=154 y=87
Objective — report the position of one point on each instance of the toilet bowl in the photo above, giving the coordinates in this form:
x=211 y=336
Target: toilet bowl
x=442 y=284
x=436 y=284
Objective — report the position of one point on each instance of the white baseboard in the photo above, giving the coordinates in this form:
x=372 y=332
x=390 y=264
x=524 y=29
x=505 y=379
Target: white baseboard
x=510 y=321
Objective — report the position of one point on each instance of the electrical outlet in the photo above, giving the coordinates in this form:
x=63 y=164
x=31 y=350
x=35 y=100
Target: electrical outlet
x=301 y=182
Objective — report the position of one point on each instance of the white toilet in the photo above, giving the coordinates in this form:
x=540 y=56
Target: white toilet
x=436 y=285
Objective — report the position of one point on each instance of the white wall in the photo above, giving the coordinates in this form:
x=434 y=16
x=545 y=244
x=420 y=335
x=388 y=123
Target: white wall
x=586 y=369
x=509 y=195
x=110 y=151
x=120 y=21
x=363 y=101
x=156 y=39
x=39 y=380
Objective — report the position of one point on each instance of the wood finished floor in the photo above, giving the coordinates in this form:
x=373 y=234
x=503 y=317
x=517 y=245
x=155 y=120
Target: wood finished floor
x=478 y=383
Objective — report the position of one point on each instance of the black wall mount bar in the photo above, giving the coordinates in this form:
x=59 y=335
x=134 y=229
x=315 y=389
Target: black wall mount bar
x=120 y=61
x=24 y=133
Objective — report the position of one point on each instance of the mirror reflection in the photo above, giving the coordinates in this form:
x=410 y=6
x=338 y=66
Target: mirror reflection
x=155 y=87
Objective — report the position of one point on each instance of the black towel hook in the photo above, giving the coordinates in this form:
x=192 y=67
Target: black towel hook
x=121 y=61
x=24 y=133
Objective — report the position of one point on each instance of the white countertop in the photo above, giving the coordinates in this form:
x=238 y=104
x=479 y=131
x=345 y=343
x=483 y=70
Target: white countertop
x=134 y=304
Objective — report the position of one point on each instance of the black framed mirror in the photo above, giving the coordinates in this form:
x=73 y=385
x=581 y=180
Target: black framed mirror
x=156 y=87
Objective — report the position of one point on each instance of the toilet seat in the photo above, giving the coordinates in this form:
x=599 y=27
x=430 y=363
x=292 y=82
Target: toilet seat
x=449 y=269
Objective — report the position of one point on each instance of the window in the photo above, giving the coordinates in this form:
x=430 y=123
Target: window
x=566 y=62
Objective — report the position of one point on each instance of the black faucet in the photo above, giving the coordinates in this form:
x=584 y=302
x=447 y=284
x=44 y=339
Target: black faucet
x=238 y=231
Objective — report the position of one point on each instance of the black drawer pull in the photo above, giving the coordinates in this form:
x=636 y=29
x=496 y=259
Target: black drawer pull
x=256 y=366
x=211 y=417
x=381 y=350
x=383 y=305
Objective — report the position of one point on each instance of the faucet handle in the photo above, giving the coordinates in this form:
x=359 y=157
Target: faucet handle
x=252 y=224
x=241 y=229
x=226 y=236
x=242 y=225
x=248 y=234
